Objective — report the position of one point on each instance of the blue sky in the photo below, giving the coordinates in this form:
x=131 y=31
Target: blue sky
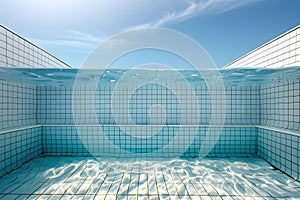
x=227 y=29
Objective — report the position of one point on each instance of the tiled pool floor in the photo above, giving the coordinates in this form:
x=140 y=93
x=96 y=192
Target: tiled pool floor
x=90 y=178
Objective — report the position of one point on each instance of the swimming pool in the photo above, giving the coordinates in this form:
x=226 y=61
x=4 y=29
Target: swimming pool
x=153 y=134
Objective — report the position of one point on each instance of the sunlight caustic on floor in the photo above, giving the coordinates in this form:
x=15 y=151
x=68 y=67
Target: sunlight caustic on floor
x=129 y=178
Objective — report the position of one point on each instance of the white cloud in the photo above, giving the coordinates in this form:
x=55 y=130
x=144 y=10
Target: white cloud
x=169 y=14
x=77 y=35
x=83 y=24
x=200 y=7
x=72 y=39
x=49 y=18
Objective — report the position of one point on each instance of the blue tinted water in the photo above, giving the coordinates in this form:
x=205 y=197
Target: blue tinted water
x=150 y=177
x=111 y=76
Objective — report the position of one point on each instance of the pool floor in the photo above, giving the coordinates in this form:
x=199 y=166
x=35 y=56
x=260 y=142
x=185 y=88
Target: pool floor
x=152 y=178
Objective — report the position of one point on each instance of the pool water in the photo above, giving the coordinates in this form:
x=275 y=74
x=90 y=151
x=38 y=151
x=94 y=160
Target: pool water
x=142 y=178
x=149 y=134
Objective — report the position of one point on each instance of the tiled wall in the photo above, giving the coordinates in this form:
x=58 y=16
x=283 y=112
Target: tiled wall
x=17 y=105
x=281 y=149
x=280 y=104
x=15 y=51
x=243 y=105
x=279 y=134
x=55 y=105
x=65 y=141
x=283 y=51
x=20 y=139
x=18 y=147
x=266 y=106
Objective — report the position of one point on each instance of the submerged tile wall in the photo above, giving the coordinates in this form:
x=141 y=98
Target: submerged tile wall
x=280 y=104
x=17 y=105
x=19 y=146
x=55 y=105
x=55 y=109
x=279 y=134
x=267 y=106
x=20 y=138
x=281 y=149
x=131 y=140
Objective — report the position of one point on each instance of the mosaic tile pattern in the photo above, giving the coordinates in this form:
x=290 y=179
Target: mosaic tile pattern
x=278 y=137
x=282 y=149
x=88 y=178
x=283 y=51
x=280 y=104
x=17 y=105
x=271 y=105
x=18 y=147
x=15 y=51
x=55 y=105
x=66 y=141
